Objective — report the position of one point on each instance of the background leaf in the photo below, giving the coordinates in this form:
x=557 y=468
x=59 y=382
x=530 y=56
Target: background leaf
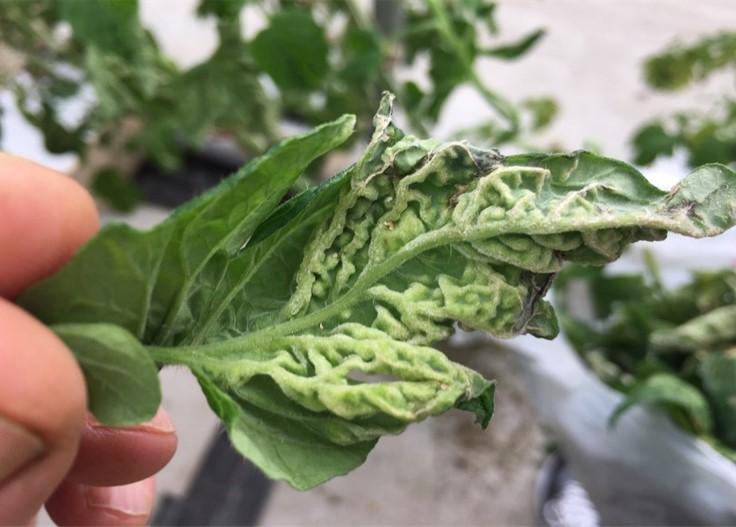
x=684 y=402
x=517 y=49
x=292 y=50
x=669 y=347
x=718 y=372
x=120 y=193
x=650 y=142
x=114 y=28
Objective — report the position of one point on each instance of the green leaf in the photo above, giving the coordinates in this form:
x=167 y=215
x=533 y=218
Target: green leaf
x=121 y=58
x=702 y=204
x=283 y=443
x=292 y=50
x=718 y=373
x=108 y=74
x=708 y=331
x=112 y=26
x=650 y=142
x=125 y=86
x=227 y=10
x=680 y=65
x=543 y=110
x=668 y=72
x=149 y=302
x=486 y=11
x=120 y=193
x=340 y=413
x=710 y=290
x=308 y=324
x=325 y=373
x=62 y=87
x=609 y=291
x=122 y=379
x=481 y=405
x=205 y=105
x=447 y=72
x=706 y=135
x=516 y=49
x=412 y=95
x=57 y=139
x=363 y=56
x=707 y=145
x=683 y=401
x=645 y=332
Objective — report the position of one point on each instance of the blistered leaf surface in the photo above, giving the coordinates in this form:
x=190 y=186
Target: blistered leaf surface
x=308 y=324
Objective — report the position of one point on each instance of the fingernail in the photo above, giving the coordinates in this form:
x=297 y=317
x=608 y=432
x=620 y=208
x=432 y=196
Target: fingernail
x=161 y=422
x=18 y=447
x=135 y=499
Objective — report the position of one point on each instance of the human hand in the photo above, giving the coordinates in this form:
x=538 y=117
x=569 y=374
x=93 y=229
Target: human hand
x=51 y=451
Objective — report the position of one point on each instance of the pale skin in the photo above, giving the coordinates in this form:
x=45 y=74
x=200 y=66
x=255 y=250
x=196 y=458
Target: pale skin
x=51 y=452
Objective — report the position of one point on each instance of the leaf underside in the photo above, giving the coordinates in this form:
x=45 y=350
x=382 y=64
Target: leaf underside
x=309 y=324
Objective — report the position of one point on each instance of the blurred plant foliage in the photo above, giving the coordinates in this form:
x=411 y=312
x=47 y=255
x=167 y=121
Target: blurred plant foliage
x=675 y=348
x=707 y=136
x=312 y=62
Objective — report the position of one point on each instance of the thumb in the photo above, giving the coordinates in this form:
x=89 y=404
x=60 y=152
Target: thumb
x=42 y=412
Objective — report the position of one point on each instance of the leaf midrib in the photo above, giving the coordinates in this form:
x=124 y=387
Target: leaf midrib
x=242 y=284
x=650 y=217
x=167 y=325
x=370 y=276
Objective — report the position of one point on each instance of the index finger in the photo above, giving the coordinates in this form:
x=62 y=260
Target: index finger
x=45 y=217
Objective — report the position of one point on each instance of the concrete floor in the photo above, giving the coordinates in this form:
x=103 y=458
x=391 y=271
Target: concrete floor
x=446 y=471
